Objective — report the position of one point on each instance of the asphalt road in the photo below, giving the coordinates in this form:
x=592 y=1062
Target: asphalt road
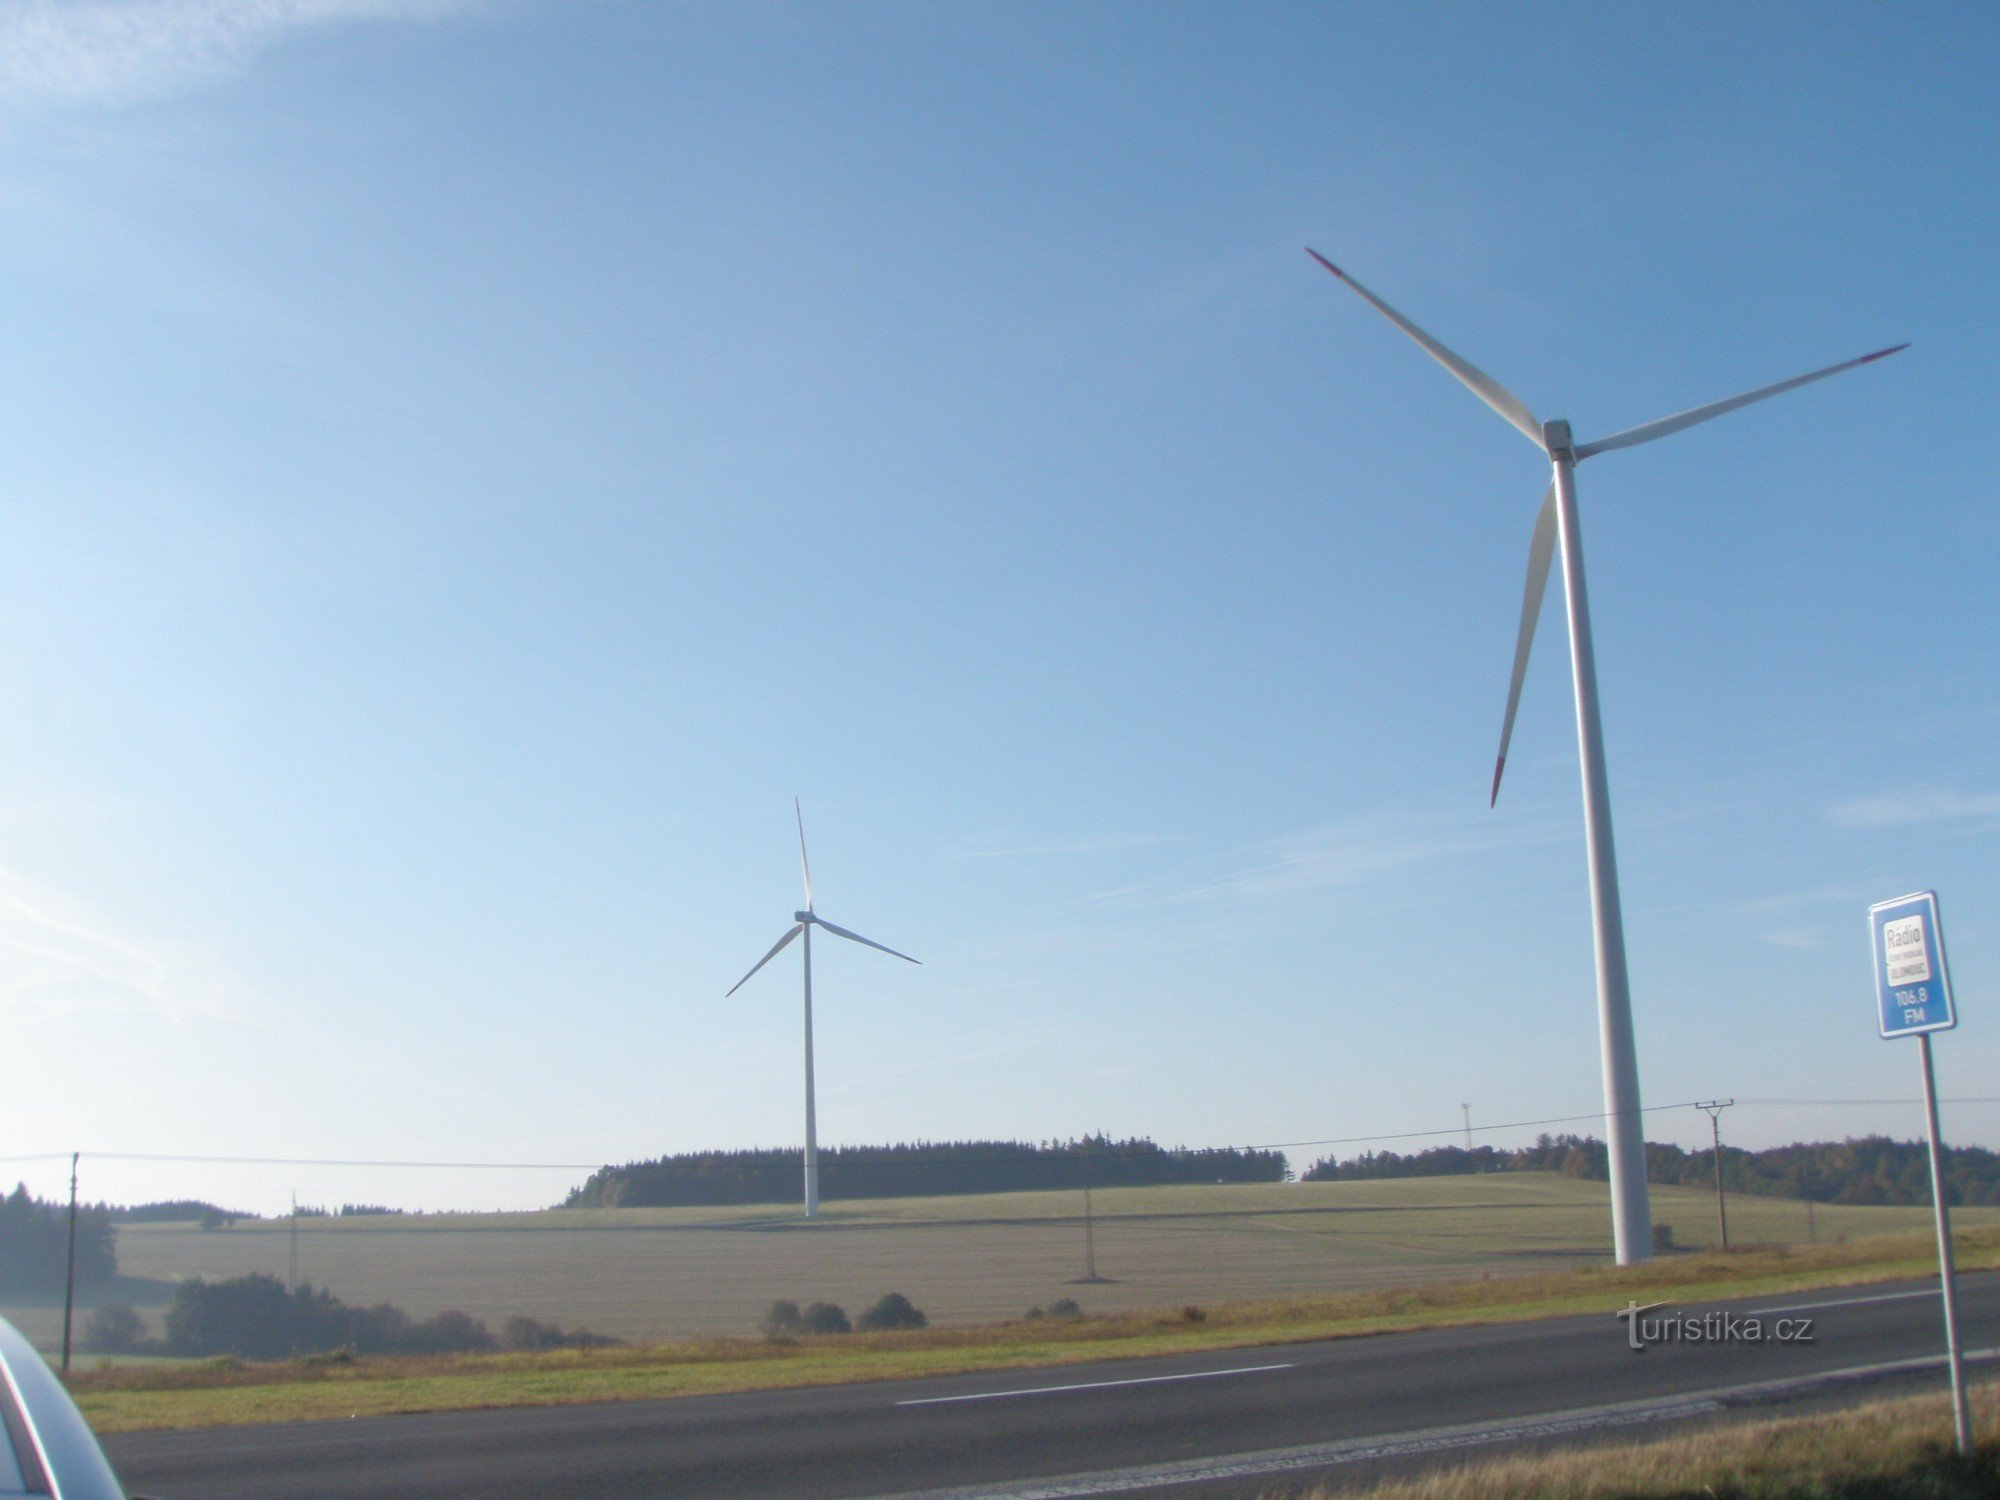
x=1224 y=1424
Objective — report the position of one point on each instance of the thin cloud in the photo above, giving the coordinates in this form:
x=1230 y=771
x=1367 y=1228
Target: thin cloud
x=1109 y=844
x=1327 y=858
x=1919 y=805
x=63 y=964
x=117 y=51
x=1760 y=908
x=1791 y=937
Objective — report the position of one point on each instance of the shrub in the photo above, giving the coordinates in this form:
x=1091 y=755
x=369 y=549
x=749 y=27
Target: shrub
x=115 y=1328
x=826 y=1317
x=250 y=1316
x=255 y=1317
x=530 y=1333
x=782 y=1320
x=1065 y=1307
x=1032 y=1314
x=381 y=1329
x=449 y=1333
x=894 y=1311
x=1193 y=1314
x=1663 y=1239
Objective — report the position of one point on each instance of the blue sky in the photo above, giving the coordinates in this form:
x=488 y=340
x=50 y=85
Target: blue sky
x=468 y=466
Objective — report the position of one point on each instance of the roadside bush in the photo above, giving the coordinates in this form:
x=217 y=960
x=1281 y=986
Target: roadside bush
x=449 y=1333
x=382 y=1329
x=1034 y=1314
x=782 y=1320
x=1663 y=1239
x=255 y=1317
x=826 y=1317
x=115 y=1328
x=532 y=1334
x=894 y=1311
x=1065 y=1307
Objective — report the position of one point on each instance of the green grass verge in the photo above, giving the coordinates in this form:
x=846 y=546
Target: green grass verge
x=225 y=1392
x=1870 y=1452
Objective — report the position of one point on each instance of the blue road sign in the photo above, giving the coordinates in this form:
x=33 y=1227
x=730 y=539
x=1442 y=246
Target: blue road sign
x=1912 y=989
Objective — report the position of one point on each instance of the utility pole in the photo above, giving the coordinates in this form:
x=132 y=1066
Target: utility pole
x=1089 y=1236
x=1090 y=1276
x=1468 y=1125
x=69 y=1275
x=1809 y=1180
x=1713 y=1108
x=292 y=1265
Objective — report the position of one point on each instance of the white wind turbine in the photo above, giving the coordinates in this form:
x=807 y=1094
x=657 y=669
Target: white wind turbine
x=1631 y=1223
x=803 y=924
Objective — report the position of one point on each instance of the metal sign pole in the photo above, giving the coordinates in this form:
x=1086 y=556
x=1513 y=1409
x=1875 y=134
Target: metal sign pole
x=1947 y=1272
x=1913 y=998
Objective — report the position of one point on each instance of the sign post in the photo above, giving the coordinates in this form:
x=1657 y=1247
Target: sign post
x=1913 y=998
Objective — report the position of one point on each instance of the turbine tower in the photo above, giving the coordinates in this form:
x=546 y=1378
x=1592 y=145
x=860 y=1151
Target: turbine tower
x=1631 y=1220
x=803 y=923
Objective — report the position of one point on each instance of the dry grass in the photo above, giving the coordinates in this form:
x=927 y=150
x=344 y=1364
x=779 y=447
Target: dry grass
x=1884 y=1449
x=212 y=1393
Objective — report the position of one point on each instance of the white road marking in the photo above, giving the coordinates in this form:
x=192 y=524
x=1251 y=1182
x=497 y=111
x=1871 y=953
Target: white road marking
x=1318 y=1455
x=1431 y=1440
x=1764 y=1312
x=1093 y=1385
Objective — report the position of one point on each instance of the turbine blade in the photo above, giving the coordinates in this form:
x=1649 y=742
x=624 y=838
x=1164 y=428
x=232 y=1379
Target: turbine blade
x=804 y=868
x=1540 y=550
x=1476 y=380
x=1645 y=432
x=855 y=937
x=776 y=948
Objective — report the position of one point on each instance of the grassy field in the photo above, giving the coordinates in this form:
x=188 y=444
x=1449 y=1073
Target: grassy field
x=661 y=1274
x=1870 y=1452
x=193 y=1394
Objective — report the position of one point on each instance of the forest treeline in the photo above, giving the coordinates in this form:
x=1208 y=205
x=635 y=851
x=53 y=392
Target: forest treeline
x=34 y=1245
x=925 y=1169
x=1870 y=1170
x=259 y=1317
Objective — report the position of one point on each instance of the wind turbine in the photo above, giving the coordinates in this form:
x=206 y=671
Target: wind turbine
x=803 y=922
x=1631 y=1221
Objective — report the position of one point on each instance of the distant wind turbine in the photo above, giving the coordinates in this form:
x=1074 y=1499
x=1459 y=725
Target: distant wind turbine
x=1631 y=1224
x=803 y=924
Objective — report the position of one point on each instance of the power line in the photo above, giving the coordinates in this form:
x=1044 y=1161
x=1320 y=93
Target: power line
x=1968 y=1099
x=1023 y=1160
x=1408 y=1135
x=307 y=1161
x=313 y=1161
